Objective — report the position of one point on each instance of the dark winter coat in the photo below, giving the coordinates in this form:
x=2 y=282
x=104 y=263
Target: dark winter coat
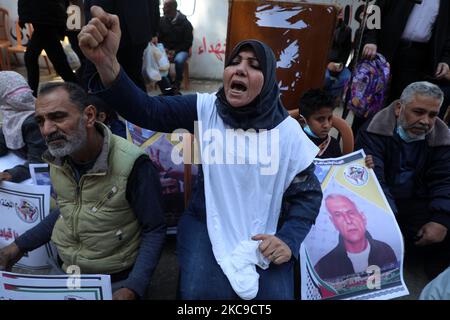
x=394 y=17
x=176 y=36
x=432 y=168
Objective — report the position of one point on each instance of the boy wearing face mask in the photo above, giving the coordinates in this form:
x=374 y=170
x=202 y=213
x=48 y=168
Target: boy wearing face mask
x=316 y=118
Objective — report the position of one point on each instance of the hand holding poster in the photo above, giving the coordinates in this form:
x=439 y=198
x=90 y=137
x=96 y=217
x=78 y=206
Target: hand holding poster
x=355 y=249
x=22 y=207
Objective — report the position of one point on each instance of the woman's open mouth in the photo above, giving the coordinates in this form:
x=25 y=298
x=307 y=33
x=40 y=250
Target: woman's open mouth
x=238 y=86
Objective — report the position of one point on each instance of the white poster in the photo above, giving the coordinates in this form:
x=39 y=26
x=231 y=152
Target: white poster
x=355 y=249
x=39 y=287
x=22 y=207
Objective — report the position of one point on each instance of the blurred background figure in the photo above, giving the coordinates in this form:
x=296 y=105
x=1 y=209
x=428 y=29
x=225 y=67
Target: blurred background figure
x=337 y=74
x=176 y=34
x=49 y=19
x=415 y=39
x=20 y=132
x=139 y=22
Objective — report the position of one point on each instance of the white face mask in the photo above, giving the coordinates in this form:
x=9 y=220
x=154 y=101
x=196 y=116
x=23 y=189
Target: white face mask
x=307 y=128
x=403 y=133
x=406 y=137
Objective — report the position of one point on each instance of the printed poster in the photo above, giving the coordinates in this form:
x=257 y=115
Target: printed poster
x=160 y=147
x=40 y=174
x=355 y=250
x=22 y=207
x=65 y=287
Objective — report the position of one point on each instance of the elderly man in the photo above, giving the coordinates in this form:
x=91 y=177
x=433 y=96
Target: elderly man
x=108 y=193
x=356 y=250
x=415 y=39
x=411 y=153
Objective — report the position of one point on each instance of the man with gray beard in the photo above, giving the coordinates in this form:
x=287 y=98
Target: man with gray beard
x=108 y=193
x=410 y=147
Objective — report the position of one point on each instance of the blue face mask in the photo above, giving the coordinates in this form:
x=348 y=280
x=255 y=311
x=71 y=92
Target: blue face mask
x=405 y=136
x=308 y=130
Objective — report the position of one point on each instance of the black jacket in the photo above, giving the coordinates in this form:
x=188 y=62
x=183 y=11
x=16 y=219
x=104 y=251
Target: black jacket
x=49 y=12
x=394 y=17
x=32 y=151
x=336 y=263
x=139 y=19
x=333 y=149
x=176 y=36
x=432 y=174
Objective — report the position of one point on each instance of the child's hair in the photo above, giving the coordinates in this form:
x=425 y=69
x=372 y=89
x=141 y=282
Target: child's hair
x=315 y=99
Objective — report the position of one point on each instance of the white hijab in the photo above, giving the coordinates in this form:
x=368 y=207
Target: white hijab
x=16 y=104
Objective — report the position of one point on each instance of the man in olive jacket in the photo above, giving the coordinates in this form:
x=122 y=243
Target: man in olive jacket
x=108 y=193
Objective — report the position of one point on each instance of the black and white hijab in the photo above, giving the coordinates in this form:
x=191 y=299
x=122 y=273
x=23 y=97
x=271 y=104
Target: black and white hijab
x=267 y=110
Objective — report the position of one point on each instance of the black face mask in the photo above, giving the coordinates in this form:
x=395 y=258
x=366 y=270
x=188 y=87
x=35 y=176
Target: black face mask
x=266 y=111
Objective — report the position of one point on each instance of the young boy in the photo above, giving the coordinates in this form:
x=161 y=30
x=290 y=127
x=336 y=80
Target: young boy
x=316 y=113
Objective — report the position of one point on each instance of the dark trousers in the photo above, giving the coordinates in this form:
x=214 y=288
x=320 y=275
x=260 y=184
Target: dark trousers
x=46 y=38
x=411 y=64
x=202 y=278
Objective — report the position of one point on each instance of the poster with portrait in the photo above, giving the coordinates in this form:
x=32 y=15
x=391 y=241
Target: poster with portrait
x=355 y=249
x=62 y=287
x=22 y=207
x=160 y=147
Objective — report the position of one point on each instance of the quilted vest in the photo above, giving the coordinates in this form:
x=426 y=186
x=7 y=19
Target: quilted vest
x=97 y=229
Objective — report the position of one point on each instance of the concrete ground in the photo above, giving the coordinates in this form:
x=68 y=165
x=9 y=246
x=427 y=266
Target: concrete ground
x=164 y=283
